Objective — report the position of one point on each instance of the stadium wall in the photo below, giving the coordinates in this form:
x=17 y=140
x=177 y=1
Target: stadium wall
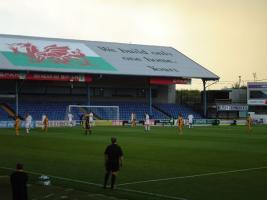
x=238 y=95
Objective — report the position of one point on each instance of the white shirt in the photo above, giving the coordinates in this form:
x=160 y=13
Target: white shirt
x=147 y=119
x=43 y=118
x=132 y=116
x=190 y=118
x=28 y=119
x=91 y=117
x=70 y=116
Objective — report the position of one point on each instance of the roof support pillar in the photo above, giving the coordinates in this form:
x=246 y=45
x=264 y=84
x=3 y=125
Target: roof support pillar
x=149 y=99
x=204 y=98
x=17 y=97
x=88 y=94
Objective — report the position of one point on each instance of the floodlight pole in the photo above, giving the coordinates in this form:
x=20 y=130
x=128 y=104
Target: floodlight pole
x=17 y=98
x=149 y=99
x=88 y=95
x=204 y=98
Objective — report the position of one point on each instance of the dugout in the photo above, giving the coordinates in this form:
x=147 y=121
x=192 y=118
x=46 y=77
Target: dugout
x=45 y=69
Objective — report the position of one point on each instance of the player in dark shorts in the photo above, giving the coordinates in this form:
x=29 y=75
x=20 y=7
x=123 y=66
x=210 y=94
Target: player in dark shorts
x=87 y=125
x=113 y=161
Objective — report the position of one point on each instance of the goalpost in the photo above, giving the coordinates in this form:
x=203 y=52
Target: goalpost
x=100 y=112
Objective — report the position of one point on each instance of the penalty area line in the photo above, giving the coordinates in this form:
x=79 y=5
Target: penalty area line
x=193 y=176
x=100 y=185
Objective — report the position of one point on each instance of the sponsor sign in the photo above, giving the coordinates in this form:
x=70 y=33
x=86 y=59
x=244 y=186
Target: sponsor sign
x=56 y=123
x=168 y=81
x=117 y=122
x=6 y=124
x=10 y=124
x=257 y=85
x=11 y=76
x=257 y=102
x=45 y=77
x=103 y=122
x=58 y=77
x=230 y=122
x=232 y=107
x=204 y=122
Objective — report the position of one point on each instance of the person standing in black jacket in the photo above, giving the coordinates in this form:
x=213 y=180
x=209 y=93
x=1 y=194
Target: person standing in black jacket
x=113 y=161
x=19 y=180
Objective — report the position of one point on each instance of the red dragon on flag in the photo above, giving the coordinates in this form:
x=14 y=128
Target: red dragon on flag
x=58 y=54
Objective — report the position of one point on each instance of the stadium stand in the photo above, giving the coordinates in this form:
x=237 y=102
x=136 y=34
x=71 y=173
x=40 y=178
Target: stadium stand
x=40 y=88
x=3 y=115
x=57 y=111
x=126 y=108
x=174 y=110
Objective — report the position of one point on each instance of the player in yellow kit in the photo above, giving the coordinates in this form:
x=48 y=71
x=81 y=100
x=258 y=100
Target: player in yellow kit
x=249 y=122
x=16 y=125
x=45 y=123
x=180 y=123
x=133 y=119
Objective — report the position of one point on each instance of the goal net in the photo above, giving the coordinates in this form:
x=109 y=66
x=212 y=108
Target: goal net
x=100 y=112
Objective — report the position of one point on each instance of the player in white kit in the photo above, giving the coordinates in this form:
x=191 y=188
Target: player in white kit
x=70 y=118
x=43 y=119
x=28 y=122
x=190 y=120
x=147 y=122
x=91 y=119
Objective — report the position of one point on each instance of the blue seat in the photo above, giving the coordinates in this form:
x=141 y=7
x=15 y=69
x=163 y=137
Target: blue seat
x=57 y=110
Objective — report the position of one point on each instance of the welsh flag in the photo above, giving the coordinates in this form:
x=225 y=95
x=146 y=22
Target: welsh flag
x=45 y=55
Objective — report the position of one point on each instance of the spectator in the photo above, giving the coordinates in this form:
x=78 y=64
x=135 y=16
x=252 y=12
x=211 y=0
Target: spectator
x=19 y=180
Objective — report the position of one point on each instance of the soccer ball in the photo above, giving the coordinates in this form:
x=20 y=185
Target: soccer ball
x=44 y=180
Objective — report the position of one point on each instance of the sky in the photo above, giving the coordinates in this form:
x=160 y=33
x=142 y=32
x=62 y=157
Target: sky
x=228 y=37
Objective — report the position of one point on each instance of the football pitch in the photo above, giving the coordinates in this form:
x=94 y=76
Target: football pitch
x=216 y=163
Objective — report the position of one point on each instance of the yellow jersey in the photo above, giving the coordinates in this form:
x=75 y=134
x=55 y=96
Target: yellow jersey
x=17 y=123
x=180 y=121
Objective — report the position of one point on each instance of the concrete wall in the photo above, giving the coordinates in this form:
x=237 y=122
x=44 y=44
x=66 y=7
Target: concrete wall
x=238 y=95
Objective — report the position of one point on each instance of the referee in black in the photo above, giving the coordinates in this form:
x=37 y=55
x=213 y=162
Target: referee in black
x=113 y=161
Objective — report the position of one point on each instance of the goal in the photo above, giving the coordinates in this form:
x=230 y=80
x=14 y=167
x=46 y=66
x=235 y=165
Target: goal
x=100 y=112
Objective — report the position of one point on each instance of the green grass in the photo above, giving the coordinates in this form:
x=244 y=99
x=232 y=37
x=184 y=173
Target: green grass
x=162 y=153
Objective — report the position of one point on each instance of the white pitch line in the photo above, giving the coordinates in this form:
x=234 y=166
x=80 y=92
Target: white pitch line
x=58 y=177
x=49 y=195
x=100 y=185
x=152 y=194
x=69 y=189
x=193 y=176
